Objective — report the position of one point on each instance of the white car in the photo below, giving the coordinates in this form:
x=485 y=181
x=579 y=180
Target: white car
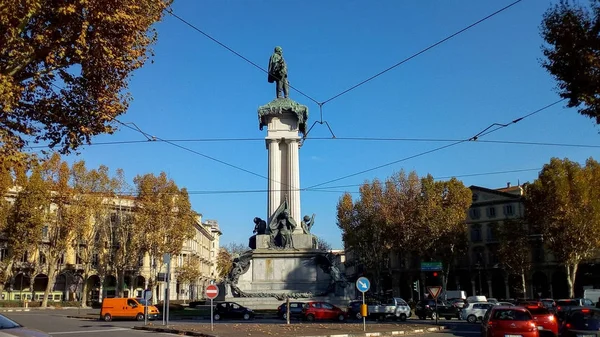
x=473 y=312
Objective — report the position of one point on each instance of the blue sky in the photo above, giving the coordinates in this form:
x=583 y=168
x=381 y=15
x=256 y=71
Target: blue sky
x=196 y=89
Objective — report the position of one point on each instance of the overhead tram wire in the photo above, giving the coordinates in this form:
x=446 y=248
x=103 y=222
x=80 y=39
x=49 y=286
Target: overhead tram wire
x=439 y=178
x=321 y=104
x=364 y=139
x=501 y=126
x=170 y=11
x=471 y=139
x=423 y=51
x=328 y=189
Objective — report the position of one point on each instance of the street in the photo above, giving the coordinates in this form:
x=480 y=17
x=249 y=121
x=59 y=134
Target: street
x=56 y=323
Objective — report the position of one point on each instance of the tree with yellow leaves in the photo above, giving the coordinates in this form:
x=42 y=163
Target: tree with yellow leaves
x=164 y=218
x=65 y=65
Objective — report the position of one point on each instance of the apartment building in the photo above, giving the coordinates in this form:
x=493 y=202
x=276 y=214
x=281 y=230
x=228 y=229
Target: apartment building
x=30 y=272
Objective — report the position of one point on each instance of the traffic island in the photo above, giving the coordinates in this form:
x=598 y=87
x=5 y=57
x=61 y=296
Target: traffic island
x=294 y=330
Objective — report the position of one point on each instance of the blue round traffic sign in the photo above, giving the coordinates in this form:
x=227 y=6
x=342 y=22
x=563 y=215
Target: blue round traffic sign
x=363 y=284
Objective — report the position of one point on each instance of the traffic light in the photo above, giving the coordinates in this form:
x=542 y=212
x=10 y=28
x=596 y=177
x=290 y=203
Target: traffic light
x=416 y=286
x=435 y=274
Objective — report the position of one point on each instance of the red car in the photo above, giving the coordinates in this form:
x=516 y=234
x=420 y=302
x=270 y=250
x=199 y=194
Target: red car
x=504 y=321
x=545 y=320
x=322 y=311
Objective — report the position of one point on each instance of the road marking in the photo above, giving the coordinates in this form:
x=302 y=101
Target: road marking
x=87 y=331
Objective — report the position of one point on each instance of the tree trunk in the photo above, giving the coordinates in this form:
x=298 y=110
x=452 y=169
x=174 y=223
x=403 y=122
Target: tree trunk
x=120 y=282
x=84 y=286
x=523 y=285
x=571 y=274
x=445 y=275
x=52 y=271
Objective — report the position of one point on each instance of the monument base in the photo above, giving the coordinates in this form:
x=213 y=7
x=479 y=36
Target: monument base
x=294 y=272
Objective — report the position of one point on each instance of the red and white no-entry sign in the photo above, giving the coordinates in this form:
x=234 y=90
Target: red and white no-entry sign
x=212 y=291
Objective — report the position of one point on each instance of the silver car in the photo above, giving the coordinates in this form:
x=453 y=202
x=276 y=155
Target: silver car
x=9 y=327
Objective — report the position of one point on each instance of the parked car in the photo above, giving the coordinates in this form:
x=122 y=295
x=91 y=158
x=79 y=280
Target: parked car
x=126 y=308
x=474 y=312
x=507 y=304
x=232 y=310
x=565 y=305
x=458 y=302
x=581 y=322
x=322 y=311
x=353 y=309
x=549 y=304
x=395 y=308
x=545 y=320
x=508 y=321
x=12 y=328
x=426 y=309
x=295 y=310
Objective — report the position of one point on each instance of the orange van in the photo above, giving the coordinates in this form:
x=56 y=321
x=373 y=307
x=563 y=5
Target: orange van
x=126 y=308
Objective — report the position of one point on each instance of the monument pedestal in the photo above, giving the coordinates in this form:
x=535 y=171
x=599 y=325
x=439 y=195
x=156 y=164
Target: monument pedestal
x=285 y=272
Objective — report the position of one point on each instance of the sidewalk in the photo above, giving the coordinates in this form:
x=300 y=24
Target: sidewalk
x=294 y=330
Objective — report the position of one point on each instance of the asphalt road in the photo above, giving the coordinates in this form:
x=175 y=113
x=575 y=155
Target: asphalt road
x=56 y=323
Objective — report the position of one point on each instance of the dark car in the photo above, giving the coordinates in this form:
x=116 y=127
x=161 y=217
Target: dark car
x=232 y=310
x=426 y=308
x=566 y=305
x=581 y=322
x=353 y=309
x=295 y=310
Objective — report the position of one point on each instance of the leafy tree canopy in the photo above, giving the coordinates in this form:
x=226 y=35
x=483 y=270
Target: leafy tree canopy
x=572 y=34
x=88 y=48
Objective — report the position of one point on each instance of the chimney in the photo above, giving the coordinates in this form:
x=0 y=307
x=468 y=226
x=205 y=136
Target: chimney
x=508 y=184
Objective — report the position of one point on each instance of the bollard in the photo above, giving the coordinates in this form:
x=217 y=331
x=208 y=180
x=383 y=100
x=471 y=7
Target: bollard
x=26 y=303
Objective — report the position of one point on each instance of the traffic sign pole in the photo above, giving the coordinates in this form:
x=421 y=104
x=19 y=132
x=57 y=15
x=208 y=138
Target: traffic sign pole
x=212 y=291
x=364 y=318
x=363 y=285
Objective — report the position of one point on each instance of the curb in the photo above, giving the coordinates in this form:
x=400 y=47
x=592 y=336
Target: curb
x=361 y=334
x=14 y=310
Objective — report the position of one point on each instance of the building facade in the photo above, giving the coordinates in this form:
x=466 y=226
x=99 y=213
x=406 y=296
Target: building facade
x=30 y=273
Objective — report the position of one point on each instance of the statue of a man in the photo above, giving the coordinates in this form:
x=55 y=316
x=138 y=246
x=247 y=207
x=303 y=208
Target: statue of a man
x=260 y=226
x=307 y=223
x=278 y=73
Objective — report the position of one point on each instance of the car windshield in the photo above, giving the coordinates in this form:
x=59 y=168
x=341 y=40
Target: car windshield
x=142 y=301
x=585 y=320
x=512 y=315
x=6 y=323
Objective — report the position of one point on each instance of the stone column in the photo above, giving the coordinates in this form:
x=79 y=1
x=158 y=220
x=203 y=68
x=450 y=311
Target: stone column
x=274 y=195
x=293 y=175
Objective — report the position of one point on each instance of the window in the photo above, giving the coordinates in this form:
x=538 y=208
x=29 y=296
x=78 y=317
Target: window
x=42 y=259
x=475 y=213
x=61 y=260
x=45 y=232
x=78 y=259
x=538 y=253
x=475 y=197
x=327 y=306
x=95 y=260
x=476 y=233
x=509 y=210
x=491 y=212
x=491 y=231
